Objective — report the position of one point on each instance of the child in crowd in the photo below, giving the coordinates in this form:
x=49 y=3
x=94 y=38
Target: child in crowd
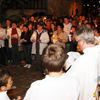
x=55 y=86
x=5 y=84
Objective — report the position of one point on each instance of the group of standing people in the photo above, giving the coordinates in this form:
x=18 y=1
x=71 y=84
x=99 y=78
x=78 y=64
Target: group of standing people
x=49 y=39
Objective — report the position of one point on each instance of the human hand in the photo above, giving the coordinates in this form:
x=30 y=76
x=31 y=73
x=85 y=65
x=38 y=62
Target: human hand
x=39 y=41
x=25 y=40
x=60 y=40
x=8 y=36
x=33 y=40
x=18 y=98
x=1 y=37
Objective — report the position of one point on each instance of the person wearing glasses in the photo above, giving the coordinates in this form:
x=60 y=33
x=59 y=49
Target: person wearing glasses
x=87 y=67
x=5 y=84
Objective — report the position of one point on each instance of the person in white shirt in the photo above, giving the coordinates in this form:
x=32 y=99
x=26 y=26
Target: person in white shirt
x=86 y=67
x=55 y=86
x=39 y=40
x=2 y=45
x=67 y=27
x=5 y=85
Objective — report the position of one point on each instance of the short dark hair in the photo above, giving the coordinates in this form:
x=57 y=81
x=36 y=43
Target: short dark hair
x=60 y=24
x=14 y=22
x=40 y=23
x=88 y=23
x=54 y=57
x=25 y=26
x=66 y=17
x=4 y=76
x=74 y=27
x=98 y=29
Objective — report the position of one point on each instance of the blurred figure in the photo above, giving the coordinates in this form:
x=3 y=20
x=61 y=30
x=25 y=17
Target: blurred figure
x=59 y=37
x=39 y=40
x=86 y=67
x=2 y=46
x=13 y=35
x=27 y=45
x=8 y=50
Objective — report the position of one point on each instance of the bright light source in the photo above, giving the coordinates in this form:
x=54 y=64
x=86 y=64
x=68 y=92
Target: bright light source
x=87 y=4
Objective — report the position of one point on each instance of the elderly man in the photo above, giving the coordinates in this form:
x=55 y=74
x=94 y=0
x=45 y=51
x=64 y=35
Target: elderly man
x=86 y=68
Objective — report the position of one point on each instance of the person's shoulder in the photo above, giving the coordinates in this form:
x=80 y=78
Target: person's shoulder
x=37 y=83
x=71 y=80
x=70 y=24
x=55 y=32
x=2 y=29
x=45 y=31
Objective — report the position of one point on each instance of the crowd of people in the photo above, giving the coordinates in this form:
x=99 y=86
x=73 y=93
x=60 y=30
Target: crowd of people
x=55 y=42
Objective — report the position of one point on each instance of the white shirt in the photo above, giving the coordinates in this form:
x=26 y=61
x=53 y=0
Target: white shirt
x=87 y=69
x=4 y=96
x=61 y=88
x=2 y=33
x=44 y=40
x=67 y=29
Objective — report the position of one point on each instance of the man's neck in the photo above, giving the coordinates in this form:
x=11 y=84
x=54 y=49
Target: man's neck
x=87 y=46
x=40 y=31
x=55 y=74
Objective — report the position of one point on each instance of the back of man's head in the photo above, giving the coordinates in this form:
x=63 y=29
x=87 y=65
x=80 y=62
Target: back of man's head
x=54 y=57
x=86 y=34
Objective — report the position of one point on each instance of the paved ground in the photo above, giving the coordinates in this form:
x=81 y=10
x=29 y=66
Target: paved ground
x=22 y=78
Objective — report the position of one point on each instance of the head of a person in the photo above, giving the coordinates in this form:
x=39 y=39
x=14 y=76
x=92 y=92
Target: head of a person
x=80 y=17
x=25 y=28
x=66 y=20
x=30 y=25
x=5 y=80
x=60 y=27
x=84 y=36
x=52 y=26
x=40 y=25
x=54 y=57
x=73 y=29
x=96 y=31
x=32 y=18
x=85 y=21
x=8 y=22
x=73 y=22
x=14 y=24
x=83 y=17
x=88 y=24
x=21 y=25
x=48 y=23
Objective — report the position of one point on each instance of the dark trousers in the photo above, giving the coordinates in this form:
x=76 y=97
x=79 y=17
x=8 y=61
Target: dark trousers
x=15 y=53
x=2 y=53
x=8 y=52
x=39 y=63
x=27 y=52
